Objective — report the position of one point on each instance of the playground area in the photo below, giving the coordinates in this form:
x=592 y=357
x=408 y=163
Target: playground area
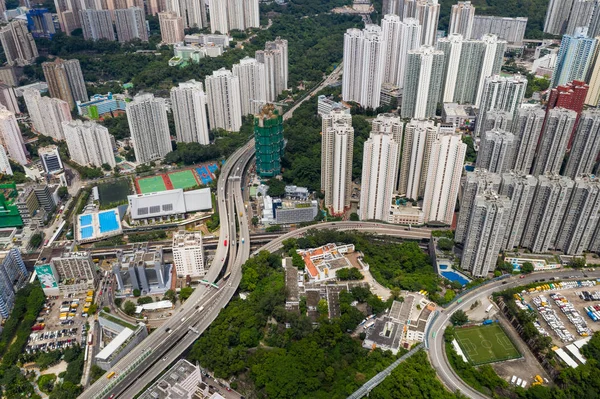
x=486 y=344
x=200 y=175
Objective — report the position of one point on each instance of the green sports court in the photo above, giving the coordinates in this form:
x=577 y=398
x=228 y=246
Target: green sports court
x=151 y=184
x=486 y=344
x=184 y=179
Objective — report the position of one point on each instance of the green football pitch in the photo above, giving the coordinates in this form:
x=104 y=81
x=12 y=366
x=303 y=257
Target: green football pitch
x=183 y=179
x=486 y=344
x=151 y=184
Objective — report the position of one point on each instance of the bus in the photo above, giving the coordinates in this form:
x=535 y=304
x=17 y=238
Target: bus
x=226 y=276
x=214 y=285
x=487 y=310
x=110 y=375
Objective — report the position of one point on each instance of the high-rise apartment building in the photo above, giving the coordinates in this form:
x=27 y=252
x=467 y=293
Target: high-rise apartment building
x=97 y=24
x=391 y=27
x=193 y=13
x=553 y=143
x=474 y=183
x=218 y=16
x=11 y=137
x=8 y=98
x=364 y=57
x=226 y=15
x=188 y=254
x=224 y=103
x=268 y=139
x=89 y=143
x=18 y=44
x=380 y=167
x=40 y=23
x=130 y=24
x=50 y=158
x=570 y=96
x=443 y=177
x=527 y=129
x=557 y=16
x=461 y=19
x=593 y=95
x=510 y=29
x=500 y=94
x=275 y=59
x=5 y=167
x=520 y=188
x=547 y=211
x=422 y=83
x=419 y=136
x=586 y=145
x=253 y=88
x=581 y=217
x=486 y=230
x=495 y=120
x=409 y=39
x=497 y=151
x=171 y=27
x=47 y=114
x=188 y=102
x=574 y=59
x=393 y=7
x=65 y=80
x=147 y=117
x=13 y=277
x=68 y=15
x=337 y=148
x=428 y=14
x=579 y=19
x=452 y=48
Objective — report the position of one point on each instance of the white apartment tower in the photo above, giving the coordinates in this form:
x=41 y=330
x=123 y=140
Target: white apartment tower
x=336 y=160
x=97 y=24
x=47 y=114
x=5 y=168
x=8 y=98
x=89 y=143
x=380 y=167
x=527 y=129
x=131 y=24
x=452 y=48
x=586 y=145
x=226 y=15
x=147 y=117
x=192 y=12
x=461 y=19
x=188 y=102
x=188 y=254
x=18 y=44
x=218 y=16
x=428 y=14
x=419 y=136
x=520 y=188
x=392 y=29
x=275 y=59
x=553 y=143
x=364 y=57
x=422 y=83
x=11 y=137
x=410 y=39
x=224 y=105
x=497 y=151
x=171 y=27
x=253 y=89
x=443 y=177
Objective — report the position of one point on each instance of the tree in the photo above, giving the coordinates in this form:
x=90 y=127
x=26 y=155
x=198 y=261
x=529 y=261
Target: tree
x=46 y=382
x=106 y=167
x=144 y=300
x=459 y=318
x=93 y=308
x=106 y=309
x=322 y=307
x=254 y=221
x=276 y=188
x=354 y=217
x=577 y=262
x=118 y=302
x=445 y=244
x=185 y=293
x=170 y=295
x=36 y=240
x=527 y=268
x=129 y=308
x=62 y=192
x=137 y=293
x=349 y=274
x=297 y=261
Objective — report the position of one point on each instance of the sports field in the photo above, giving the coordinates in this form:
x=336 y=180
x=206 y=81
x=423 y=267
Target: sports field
x=151 y=184
x=114 y=192
x=184 y=179
x=486 y=344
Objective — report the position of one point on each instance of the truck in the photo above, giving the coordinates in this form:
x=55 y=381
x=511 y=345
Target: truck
x=487 y=310
x=225 y=242
x=487 y=322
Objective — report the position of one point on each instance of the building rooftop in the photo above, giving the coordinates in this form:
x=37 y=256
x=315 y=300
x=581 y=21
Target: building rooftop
x=115 y=344
x=169 y=386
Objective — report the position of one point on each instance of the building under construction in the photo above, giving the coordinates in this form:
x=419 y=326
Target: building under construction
x=268 y=134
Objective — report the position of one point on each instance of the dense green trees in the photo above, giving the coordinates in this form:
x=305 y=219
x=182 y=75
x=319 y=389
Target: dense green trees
x=527 y=267
x=129 y=308
x=349 y=274
x=459 y=318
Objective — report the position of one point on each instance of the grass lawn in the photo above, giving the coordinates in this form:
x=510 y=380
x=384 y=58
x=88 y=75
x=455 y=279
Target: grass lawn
x=486 y=344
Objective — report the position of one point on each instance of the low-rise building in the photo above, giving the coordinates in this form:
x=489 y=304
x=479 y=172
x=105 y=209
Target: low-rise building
x=325 y=105
x=101 y=105
x=168 y=205
x=322 y=263
x=460 y=115
x=142 y=269
x=390 y=94
x=123 y=337
x=406 y=214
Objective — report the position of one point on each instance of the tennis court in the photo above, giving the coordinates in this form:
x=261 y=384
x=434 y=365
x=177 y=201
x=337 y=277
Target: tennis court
x=204 y=175
x=184 y=179
x=486 y=344
x=151 y=184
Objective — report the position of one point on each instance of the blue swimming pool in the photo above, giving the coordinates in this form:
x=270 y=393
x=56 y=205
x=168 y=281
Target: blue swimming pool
x=108 y=221
x=85 y=220
x=443 y=267
x=453 y=276
x=86 y=232
x=469 y=168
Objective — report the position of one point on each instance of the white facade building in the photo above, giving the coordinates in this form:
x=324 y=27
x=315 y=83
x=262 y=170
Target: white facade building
x=47 y=114
x=224 y=103
x=428 y=14
x=11 y=137
x=253 y=89
x=188 y=254
x=5 y=168
x=147 y=117
x=89 y=143
x=422 y=83
x=419 y=136
x=188 y=102
x=461 y=19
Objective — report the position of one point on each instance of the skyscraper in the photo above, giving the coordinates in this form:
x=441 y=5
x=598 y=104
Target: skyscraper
x=443 y=177
x=520 y=188
x=149 y=127
x=553 y=143
x=253 y=88
x=18 y=44
x=452 y=48
x=527 y=129
x=380 y=167
x=218 y=16
x=393 y=7
x=193 y=13
x=419 y=135
x=65 y=80
x=364 y=57
x=495 y=120
x=47 y=114
x=131 y=24
x=574 y=59
x=579 y=19
x=461 y=19
x=337 y=150
x=570 y=96
x=188 y=254
x=97 y=24
x=391 y=26
x=497 y=151
x=486 y=230
x=275 y=60
x=224 y=105
x=510 y=29
x=171 y=27
x=422 y=82
x=428 y=14
x=410 y=39
x=547 y=211
x=8 y=98
x=5 y=168
x=500 y=94
x=557 y=16
x=474 y=184
x=586 y=145
x=11 y=137
x=226 y=15
x=89 y=143
x=68 y=15
x=581 y=217
x=268 y=139
x=13 y=277
x=188 y=102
